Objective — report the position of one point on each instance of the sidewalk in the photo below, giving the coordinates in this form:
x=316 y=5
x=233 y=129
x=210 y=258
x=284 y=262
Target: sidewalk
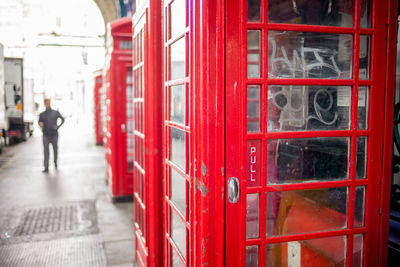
x=63 y=218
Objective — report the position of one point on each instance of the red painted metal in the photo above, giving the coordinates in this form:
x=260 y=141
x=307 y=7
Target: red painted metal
x=116 y=77
x=237 y=146
x=98 y=128
x=387 y=127
x=148 y=198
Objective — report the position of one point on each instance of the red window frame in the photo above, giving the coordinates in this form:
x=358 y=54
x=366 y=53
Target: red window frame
x=237 y=136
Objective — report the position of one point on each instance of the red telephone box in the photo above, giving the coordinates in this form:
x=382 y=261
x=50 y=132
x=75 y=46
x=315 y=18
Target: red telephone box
x=275 y=151
x=119 y=111
x=98 y=128
x=147 y=99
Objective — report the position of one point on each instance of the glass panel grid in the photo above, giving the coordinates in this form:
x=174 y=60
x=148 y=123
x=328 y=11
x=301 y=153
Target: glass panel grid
x=351 y=26
x=176 y=109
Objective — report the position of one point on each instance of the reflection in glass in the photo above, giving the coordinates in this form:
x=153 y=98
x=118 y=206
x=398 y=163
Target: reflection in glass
x=178 y=148
x=251 y=256
x=252 y=216
x=314 y=12
x=178 y=233
x=178 y=191
x=307 y=160
x=309 y=55
x=177 y=59
x=361 y=164
x=358 y=250
x=253 y=10
x=364 y=57
x=328 y=250
x=253 y=53
x=306 y=211
x=363 y=104
x=359 y=206
x=296 y=108
x=177 y=17
x=253 y=108
x=365 y=14
x=176 y=261
x=178 y=103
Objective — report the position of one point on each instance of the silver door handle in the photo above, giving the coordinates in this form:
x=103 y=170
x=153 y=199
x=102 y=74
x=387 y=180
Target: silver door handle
x=233 y=190
x=123 y=127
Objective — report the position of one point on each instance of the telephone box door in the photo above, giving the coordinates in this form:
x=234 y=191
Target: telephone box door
x=305 y=83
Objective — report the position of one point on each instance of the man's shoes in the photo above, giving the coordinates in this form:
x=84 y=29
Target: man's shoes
x=45 y=170
x=55 y=165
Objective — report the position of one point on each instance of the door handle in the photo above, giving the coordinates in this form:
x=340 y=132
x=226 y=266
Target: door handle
x=233 y=190
x=123 y=127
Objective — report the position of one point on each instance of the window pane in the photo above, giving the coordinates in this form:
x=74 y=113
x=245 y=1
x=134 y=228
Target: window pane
x=252 y=216
x=178 y=190
x=176 y=261
x=327 y=251
x=359 y=206
x=253 y=108
x=306 y=211
x=307 y=160
x=309 y=55
x=363 y=107
x=365 y=14
x=364 y=57
x=315 y=12
x=253 y=53
x=251 y=256
x=358 y=250
x=177 y=58
x=178 y=17
x=178 y=148
x=253 y=10
x=361 y=164
x=178 y=103
x=178 y=233
x=297 y=108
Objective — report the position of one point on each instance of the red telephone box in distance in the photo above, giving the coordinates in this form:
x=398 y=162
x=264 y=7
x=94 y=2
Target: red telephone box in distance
x=119 y=117
x=98 y=127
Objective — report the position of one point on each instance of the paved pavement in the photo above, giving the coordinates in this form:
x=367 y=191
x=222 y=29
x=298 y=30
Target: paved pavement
x=65 y=217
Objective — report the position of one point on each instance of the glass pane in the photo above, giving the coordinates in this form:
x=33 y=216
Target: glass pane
x=306 y=211
x=177 y=17
x=252 y=216
x=253 y=53
x=253 y=10
x=253 y=108
x=178 y=233
x=296 y=108
x=307 y=160
x=327 y=251
x=365 y=14
x=251 y=256
x=178 y=103
x=358 y=250
x=364 y=57
x=176 y=261
x=177 y=58
x=363 y=103
x=178 y=148
x=309 y=55
x=314 y=12
x=361 y=164
x=178 y=190
x=359 y=206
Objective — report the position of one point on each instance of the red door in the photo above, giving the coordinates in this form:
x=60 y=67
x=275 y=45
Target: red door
x=98 y=83
x=305 y=84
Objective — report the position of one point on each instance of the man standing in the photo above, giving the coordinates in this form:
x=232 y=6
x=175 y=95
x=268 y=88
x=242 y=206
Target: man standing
x=48 y=121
